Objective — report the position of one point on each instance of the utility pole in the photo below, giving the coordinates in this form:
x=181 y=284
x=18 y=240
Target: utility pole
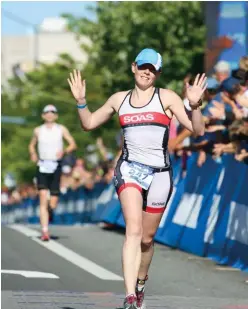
x=35 y=54
x=36 y=46
x=35 y=31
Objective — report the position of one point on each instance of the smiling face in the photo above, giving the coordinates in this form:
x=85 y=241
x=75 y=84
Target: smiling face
x=145 y=75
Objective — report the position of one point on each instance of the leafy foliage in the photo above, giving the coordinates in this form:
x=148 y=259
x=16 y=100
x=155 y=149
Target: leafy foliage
x=26 y=98
x=122 y=29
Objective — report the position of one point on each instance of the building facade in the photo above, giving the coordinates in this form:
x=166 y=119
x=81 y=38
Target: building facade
x=22 y=52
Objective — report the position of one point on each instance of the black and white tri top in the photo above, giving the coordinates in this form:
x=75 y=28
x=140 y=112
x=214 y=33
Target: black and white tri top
x=145 y=131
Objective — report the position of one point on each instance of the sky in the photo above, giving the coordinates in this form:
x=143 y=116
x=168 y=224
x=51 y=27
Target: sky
x=35 y=11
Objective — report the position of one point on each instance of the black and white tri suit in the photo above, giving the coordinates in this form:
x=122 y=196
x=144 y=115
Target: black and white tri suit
x=145 y=162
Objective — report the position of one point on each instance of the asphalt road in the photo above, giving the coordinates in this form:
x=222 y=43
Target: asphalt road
x=82 y=270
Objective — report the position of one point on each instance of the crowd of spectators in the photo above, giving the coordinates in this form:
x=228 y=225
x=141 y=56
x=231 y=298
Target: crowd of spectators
x=79 y=174
x=225 y=111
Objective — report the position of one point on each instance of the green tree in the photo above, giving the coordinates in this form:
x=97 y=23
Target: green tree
x=27 y=97
x=122 y=29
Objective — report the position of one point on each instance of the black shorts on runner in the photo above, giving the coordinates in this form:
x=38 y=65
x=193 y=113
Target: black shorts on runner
x=49 y=181
x=156 y=197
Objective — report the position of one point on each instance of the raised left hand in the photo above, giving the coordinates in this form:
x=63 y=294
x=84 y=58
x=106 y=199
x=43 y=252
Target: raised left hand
x=195 y=92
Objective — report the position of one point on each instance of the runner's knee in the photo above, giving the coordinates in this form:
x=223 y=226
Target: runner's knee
x=133 y=230
x=146 y=242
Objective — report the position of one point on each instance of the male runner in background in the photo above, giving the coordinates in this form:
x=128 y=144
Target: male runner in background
x=49 y=138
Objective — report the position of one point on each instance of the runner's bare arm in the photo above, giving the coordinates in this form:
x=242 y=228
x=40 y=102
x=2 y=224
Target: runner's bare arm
x=32 y=145
x=91 y=121
x=172 y=101
x=70 y=140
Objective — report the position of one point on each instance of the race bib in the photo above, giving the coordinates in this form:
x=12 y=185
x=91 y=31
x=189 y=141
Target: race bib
x=47 y=166
x=138 y=173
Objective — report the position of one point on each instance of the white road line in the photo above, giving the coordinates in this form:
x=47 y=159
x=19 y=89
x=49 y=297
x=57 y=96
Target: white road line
x=226 y=268
x=25 y=230
x=29 y=274
x=68 y=254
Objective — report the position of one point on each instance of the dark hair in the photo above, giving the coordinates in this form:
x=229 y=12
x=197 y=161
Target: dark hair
x=242 y=75
x=235 y=89
x=213 y=91
x=230 y=85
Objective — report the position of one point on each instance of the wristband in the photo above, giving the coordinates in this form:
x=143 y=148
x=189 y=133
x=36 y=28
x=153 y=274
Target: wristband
x=82 y=106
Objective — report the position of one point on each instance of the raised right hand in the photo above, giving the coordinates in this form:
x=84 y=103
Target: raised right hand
x=78 y=86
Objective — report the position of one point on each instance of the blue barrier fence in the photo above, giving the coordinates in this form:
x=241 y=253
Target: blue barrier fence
x=207 y=214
